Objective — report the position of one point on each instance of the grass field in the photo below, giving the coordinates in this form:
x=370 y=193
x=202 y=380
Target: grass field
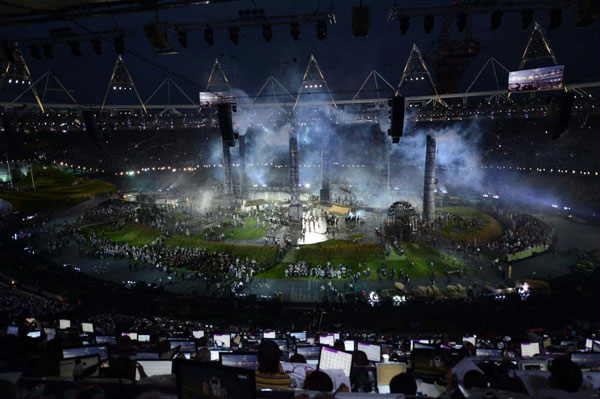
x=489 y=228
x=259 y=252
x=359 y=257
x=132 y=233
x=249 y=232
x=140 y=235
x=53 y=188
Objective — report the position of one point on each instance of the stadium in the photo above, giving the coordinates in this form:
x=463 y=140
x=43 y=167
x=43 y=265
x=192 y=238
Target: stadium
x=261 y=199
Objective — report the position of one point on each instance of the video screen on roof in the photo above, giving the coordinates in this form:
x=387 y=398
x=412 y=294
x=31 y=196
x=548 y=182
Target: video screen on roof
x=536 y=79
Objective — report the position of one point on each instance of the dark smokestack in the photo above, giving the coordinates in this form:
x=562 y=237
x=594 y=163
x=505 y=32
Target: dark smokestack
x=228 y=201
x=295 y=208
x=325 y=194
x=429 y=184
x=243 y=177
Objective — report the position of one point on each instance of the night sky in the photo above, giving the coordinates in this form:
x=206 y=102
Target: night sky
x=344 y=60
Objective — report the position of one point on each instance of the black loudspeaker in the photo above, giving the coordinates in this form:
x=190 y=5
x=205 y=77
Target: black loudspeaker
x=156 y=33
x=225 y=124
x=361 y=21
x=564 y=114
x=89 y=120
x=397 y=122
x=587 y=12
x=9 y=130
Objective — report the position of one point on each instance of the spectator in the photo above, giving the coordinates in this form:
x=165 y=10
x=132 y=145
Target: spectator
x=403 y=383
x=270 y=373
x=318 y=381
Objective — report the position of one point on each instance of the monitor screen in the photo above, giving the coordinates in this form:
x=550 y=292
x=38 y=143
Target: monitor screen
x=281 y=343
x=12 y=330
x=387 y=371
x=300 y=336
x=101 y=350
x=154 y=367
x=484 y=352
x=432 y=363
x=530 y=349
x=349 y=345
x=131 y=335
x=213 y=381
x=269 y=335
x=198 y=334
x=309 y=352
x=87 y=327
x=222 y=340
x=146 y=356
x=589 y=343
x=186 y=346
x=143 y=338
x=106 y=339
x=373 y=351
x=586 y=360
x=50 y=333
x=34 y=334
x=87 y=366
x=215 y=355
x=64 y=324
x=534 y=365
x=328 y=339
x=333 y=359
x=244 y=360
x=536 y=79
x=472 y=340
x=417 y=341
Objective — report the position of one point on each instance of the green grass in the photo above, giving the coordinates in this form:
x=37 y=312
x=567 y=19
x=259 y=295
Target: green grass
x=489 y=229
x=258 y=252
x=422 y=254
x=360 y=256
x=53 y=189
x=132 y=233
x=358 y=236
x=355 y=256
x=250 y=232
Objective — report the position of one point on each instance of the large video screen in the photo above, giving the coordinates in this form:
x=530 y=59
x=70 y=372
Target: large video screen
x=537 y=79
